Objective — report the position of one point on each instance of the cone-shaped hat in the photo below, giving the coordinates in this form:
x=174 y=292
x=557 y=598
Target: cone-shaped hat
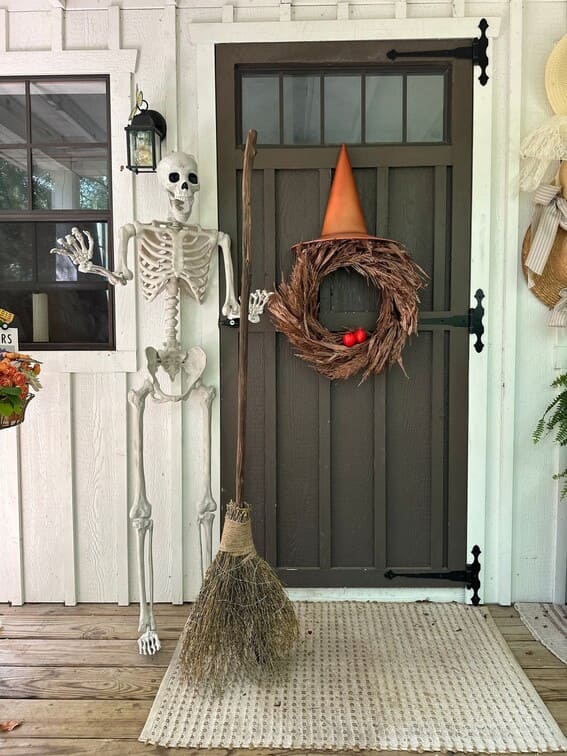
x=344 y=218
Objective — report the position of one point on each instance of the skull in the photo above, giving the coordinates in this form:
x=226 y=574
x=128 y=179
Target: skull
x=177 y=173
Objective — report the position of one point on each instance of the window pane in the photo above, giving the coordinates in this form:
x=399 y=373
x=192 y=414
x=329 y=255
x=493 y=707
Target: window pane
x=13 y=180
x=74 y=316
x=70 y=178
x=68 y=111
x=16 y=252
x=261 y=108
x=302 y=109
x=12 y=113
x=425 y=107
x=342 y=109
x=384 y=108
x=59 y=267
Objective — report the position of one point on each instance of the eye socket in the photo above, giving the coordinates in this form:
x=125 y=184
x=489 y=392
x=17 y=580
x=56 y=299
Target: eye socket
x=174 y=177
x=193 y=178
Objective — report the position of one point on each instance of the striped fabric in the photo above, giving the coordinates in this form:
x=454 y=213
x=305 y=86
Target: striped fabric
x=551 y=215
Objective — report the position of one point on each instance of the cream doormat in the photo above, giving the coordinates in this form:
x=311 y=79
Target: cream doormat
x=396 y=677
x=547 y=623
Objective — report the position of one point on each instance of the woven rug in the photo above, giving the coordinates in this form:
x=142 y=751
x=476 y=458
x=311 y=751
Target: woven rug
x=397 y=677
x=547 y=623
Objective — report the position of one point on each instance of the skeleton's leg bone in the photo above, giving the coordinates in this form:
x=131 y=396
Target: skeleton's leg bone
x=230 y=308
x=206 y=505
x=140 y=516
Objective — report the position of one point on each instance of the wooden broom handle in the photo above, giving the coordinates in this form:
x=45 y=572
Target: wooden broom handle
x=249 y=155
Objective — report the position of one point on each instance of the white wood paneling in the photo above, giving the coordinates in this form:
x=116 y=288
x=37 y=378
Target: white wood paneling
x=11 y=548
x=47 y=493
x=101 y=488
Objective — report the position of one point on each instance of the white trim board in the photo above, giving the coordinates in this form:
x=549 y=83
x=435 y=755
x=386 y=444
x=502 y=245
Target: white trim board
x=206 y=36
x=397 y=595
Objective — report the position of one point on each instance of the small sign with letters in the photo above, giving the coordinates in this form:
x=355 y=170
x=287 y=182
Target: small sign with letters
x=9 y=339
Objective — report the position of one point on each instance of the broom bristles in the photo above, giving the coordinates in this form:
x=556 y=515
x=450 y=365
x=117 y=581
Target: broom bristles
x=242 y=622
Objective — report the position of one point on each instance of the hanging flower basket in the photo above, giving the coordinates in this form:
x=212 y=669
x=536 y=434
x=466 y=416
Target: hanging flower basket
x=16 y=417
x=18 y=373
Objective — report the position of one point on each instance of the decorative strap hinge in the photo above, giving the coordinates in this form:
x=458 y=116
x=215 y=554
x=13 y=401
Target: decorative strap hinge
x=469 y=576
x=476 y=52
x=472 y=321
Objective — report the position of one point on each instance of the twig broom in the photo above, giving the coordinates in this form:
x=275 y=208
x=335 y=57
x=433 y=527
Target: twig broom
x=242 y=621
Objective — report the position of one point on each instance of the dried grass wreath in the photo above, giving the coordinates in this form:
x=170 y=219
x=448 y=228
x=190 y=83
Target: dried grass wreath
x=384 y=264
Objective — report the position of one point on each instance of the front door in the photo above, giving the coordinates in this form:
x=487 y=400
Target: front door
x=348 y=480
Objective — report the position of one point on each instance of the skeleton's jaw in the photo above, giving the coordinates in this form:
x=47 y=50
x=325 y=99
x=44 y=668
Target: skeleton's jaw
x=180 y=209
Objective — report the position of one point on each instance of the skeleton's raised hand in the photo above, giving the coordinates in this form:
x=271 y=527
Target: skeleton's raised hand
x=78 y=246
x=74 y=246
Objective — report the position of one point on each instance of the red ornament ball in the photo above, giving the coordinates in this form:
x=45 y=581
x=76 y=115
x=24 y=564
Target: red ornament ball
x=360 y=335
x=349 y=339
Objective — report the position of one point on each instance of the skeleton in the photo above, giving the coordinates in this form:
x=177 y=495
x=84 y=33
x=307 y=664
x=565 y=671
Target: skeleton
x=173 y=257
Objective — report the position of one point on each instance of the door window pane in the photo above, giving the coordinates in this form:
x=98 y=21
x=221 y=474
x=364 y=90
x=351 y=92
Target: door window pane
x=12 y=113
x=70 y=178
x=68 y=111
x=425 y=108
x=302 y=109
x=16 y=252
x=261 y=108
x=384 y=108
x=342 y=109
x=14 y=180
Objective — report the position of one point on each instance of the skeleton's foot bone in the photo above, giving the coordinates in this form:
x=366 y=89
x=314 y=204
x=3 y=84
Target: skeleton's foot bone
x=148 y=643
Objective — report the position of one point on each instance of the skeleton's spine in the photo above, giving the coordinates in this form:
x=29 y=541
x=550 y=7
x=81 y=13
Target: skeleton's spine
x=172 y=314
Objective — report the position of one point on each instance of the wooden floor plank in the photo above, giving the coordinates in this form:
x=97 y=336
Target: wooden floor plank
x=135 y=683
x=532 y=654
x=96 y=627
x=551 y=684
x=48 y=610
x=80 y=653
x=88 y=747
x=75 y=719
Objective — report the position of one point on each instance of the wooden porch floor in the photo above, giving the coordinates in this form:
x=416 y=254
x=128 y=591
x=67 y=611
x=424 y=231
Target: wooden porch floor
x=73 y=676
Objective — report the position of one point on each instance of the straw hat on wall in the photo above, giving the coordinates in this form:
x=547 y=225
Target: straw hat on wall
x=556 y=77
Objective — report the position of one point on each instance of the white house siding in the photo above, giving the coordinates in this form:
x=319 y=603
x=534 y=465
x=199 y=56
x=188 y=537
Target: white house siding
x=68 y=473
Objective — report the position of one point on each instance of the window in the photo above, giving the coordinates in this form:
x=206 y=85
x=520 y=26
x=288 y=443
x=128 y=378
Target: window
x=54 y=175
x=370 y=106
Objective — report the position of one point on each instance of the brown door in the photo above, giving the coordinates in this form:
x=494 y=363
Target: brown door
x=350 y=480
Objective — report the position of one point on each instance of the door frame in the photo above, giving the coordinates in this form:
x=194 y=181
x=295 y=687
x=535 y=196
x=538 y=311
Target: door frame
x=206 y=36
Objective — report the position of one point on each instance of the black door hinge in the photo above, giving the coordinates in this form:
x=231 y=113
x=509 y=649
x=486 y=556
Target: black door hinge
x=472 y=320
x=469 y=576
x=476 y=52
x=229 y=322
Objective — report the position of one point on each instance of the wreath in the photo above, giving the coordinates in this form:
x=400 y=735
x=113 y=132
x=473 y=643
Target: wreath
x=384 y=264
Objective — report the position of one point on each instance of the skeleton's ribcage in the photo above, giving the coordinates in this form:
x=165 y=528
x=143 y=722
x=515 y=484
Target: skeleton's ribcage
x=166 y=253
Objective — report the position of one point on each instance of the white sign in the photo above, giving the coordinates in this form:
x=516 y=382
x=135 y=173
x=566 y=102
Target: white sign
x=9 y=339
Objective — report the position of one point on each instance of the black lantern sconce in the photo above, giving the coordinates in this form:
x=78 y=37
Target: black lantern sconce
x=144 y=134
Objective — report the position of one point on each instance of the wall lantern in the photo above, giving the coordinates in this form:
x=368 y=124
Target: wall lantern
x=144 y=135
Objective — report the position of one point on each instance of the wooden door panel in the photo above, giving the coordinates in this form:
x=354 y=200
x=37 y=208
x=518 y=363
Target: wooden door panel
x=297 y=465
x=352 y=474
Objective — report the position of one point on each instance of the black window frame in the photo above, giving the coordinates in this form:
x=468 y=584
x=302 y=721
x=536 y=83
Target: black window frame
x=71 y=216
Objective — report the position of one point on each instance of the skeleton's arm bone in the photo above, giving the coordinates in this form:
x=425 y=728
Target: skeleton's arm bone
x=80 y=253
x=125 y=233
x=230 y=308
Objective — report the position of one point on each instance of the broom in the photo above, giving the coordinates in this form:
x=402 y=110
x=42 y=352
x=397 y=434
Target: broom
x=242 y=622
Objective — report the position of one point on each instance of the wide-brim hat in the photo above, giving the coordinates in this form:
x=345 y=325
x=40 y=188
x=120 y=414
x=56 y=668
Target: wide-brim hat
x=548 y=286
x=556 y=77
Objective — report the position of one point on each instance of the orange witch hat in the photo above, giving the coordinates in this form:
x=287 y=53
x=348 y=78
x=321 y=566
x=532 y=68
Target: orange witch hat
x=344 y=218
